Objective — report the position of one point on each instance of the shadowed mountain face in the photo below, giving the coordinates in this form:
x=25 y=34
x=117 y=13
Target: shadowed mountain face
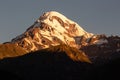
x=57 y=65
x=103 y=52
x=53 y=63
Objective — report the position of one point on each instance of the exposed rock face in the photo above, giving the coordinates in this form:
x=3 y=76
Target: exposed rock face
x=102 y=48
x=51 y=29
x=8 y=50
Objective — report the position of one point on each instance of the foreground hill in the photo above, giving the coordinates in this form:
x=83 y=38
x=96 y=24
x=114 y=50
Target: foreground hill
x=56 y=64
x=60 y=62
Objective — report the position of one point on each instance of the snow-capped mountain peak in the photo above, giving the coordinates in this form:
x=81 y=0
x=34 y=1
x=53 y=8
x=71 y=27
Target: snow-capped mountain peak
x=60 y=22
x=52 y=28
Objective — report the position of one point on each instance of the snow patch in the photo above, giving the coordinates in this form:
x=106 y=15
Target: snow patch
x=28 y=41
x=37 y=25
x=101 y=41
x=48 y=15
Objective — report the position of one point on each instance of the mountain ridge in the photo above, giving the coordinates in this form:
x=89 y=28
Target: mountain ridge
x=57 y=48
x=52 y=28
x=45 y=64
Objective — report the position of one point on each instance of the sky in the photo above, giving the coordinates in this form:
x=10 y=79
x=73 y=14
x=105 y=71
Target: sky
x=95 y=16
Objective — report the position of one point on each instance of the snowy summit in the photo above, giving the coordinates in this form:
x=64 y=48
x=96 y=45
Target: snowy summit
x=52 y=28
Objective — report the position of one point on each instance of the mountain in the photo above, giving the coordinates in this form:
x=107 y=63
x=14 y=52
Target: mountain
x=11 y=50
x=43 y=64
x=51 y=29
x=55 y=64
x=73 y=53
x=101 y=47
x=57 y=48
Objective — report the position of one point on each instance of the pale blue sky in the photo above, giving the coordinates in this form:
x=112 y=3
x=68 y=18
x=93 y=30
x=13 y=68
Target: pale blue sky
x=96 y=16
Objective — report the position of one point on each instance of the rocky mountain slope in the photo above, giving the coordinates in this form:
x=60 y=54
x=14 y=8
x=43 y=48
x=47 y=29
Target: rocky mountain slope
x=55 y=47
x=107 y=49
x=11 y=50
x=55 y=64
x=51 y=29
